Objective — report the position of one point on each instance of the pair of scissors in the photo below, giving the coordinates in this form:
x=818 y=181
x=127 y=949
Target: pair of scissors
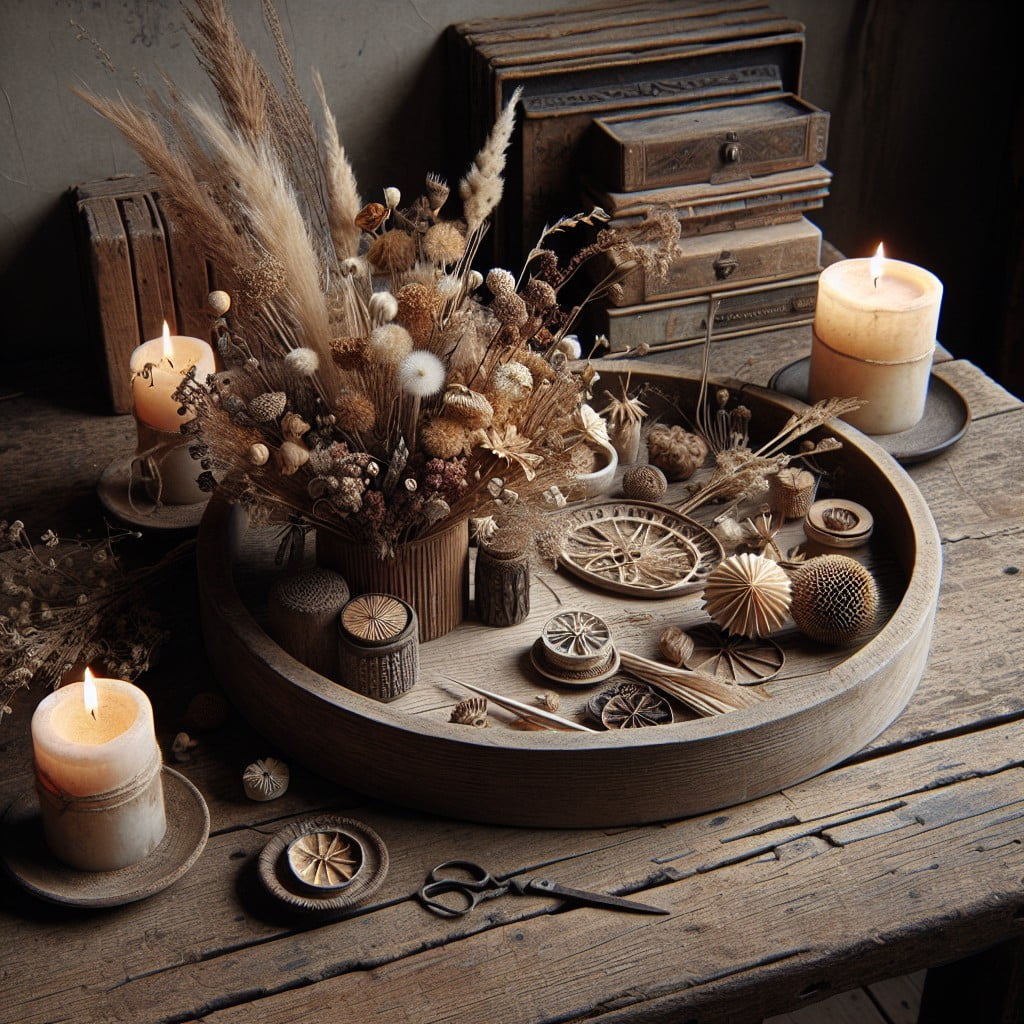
x=471 y=885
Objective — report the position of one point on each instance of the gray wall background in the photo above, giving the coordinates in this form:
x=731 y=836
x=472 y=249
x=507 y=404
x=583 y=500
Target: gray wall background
x=925 y=141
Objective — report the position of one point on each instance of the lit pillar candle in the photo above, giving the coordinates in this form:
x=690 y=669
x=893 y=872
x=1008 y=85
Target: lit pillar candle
x=874 y=336
x=157 y=367
x=97 y=768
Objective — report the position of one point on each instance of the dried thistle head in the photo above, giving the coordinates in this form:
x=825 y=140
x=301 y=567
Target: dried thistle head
x=392 y=252
x=444 y=243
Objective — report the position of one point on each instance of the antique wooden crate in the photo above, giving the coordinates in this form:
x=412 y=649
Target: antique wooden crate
x=725 y=206
x=823 y=707
x=140 y=272
x=787 y=303
x=725 y=260
x=756 y=136
x=576 y=64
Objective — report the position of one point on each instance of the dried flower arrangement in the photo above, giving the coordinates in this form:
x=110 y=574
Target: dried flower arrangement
x=369 y=389
x=71 y=605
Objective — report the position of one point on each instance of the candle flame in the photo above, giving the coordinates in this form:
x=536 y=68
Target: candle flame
x=168 y=348
x=877 y=263
x=89 y=694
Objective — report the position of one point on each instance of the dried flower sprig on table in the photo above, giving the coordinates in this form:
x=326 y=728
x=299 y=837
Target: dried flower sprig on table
x=373 y=386
x=71 y=604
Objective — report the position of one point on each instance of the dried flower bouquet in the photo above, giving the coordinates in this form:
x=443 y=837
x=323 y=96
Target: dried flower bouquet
x=373 y=386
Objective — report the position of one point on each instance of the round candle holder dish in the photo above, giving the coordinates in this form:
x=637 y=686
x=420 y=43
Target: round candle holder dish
x=946 y=415
x=839 y=523
x=378 y=647
x=124 y=495
x=29 y=861
x=292 y=866
x=575 y=648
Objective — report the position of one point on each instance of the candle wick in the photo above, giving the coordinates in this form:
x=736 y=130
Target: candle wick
x=876 y=281
x=92 y=711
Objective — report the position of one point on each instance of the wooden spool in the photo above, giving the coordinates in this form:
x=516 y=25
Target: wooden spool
x=818 y=712
x=378 y=651
x=502 y=587
x=302 y=609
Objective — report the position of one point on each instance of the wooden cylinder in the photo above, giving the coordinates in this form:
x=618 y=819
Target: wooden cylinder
x=502 y=587
x=378 y=651
x=431 y=573
x=302 y=611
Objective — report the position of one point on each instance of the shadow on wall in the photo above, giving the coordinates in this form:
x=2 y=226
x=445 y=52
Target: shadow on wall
x=50 y=346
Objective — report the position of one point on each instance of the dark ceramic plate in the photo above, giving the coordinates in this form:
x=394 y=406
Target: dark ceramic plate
x=946 y=416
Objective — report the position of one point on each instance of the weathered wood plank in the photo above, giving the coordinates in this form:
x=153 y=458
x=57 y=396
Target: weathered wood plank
x=175 y=954
x=848 y=1008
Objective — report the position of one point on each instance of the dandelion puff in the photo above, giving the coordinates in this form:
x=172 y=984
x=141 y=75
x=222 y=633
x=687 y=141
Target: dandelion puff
x=421 y=374
x=302 y=361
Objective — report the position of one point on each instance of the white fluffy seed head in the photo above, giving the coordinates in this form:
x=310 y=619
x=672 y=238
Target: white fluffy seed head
x=389 y=344
x=421 y=374
x=392 y=197
x=383 y=307
x=303 y=361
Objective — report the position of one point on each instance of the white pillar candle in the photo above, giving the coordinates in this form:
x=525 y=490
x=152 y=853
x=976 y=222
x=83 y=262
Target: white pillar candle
x=874 y=336
x=97 y=768
x=157 y=367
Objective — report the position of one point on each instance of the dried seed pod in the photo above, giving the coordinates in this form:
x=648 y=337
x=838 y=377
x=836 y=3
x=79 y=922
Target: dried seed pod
x=747 y=594
x=219 y=302
x=636 y=711
x=182 y=747
x=266 y=779
x=371 y=216
x=644 y=483
x=675 y=646
x=468 y=407
x=676 y=452
x=293 y=426
x=259 y=454
x=471 y=711
x=548 y=701
x=835 y=599
x=268 y=406
x=729 y=533
x=840 y=519
x=290 y=457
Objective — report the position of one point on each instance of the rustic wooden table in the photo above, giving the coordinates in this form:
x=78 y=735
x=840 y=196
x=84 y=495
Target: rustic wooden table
x=909 y=854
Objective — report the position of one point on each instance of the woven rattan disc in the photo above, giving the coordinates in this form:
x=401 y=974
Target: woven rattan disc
x=637 y=548
x=282 y=882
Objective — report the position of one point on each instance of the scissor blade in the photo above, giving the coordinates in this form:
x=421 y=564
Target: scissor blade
x=593 y=899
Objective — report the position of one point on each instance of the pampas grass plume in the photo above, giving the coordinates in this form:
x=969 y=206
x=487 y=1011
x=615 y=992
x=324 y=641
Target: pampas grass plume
x=421 y=374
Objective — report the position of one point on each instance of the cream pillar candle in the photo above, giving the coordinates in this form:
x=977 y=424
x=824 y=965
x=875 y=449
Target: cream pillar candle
x=157 y=367
x=874 y=336
x=97 y=768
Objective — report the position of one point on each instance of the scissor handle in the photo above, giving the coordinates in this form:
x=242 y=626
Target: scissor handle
x=479 y=885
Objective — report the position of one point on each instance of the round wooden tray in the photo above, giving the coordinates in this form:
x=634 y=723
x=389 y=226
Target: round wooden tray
x=825 y=705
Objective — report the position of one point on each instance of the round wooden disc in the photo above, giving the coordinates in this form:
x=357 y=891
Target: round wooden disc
x=375 y=618
x=281 y=881
x=30 y=862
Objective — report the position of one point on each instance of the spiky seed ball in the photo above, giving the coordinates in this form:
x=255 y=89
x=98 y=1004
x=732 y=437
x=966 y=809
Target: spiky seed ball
x=644 y=483
x=835 y=599
x=747 y=594
x=444 y=438
x=354 y=412
x=416 y=311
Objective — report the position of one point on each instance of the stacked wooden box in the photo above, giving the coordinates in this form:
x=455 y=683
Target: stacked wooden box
x=692 y=107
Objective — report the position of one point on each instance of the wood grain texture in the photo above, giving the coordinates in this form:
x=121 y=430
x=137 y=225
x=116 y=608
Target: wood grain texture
x=905 y=856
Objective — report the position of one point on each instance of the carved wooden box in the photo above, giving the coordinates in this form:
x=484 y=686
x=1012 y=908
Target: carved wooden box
x=724 y=260
x=757 y=136
x=594 y=61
